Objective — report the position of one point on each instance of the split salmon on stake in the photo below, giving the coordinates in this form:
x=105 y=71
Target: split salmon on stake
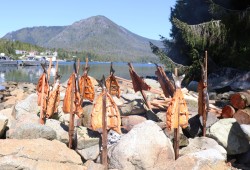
x=43 y=92
x=76 y=98
x=177 y=106
x=112 y=83
x=54 y=99
x=39 y=91
x=86 y=86
x=112 y=112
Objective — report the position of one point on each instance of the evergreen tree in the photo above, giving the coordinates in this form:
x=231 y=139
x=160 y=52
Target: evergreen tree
x=207 y=25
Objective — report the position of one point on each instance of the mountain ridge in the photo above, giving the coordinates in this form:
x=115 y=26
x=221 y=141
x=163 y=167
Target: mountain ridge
x=96 y=34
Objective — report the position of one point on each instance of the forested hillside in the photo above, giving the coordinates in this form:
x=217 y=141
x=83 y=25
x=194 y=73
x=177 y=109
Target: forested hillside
x=95 y=35
x=220 y=26
x=9 y=47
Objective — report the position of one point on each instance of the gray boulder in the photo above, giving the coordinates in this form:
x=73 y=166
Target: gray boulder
x=91 y=165
x=86 y=138
x=9 y=114
x=60 y=129
x=246 y=130
x=229 y=79
x=202 y=143
x=32 y=154
x=129 y=121
x=32 y=131
x=143 y=147
x=90 y=153
x=133 y=104
x=228 y=133
x=209 y=159
x=27 y=106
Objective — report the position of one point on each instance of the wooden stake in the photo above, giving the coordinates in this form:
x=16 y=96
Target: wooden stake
x=72 y=115
x=145 y=99
x=42 y=99
x=56 y=72
x=205 y=108
x=104 y=154
x=49 y=69
x=176 y=130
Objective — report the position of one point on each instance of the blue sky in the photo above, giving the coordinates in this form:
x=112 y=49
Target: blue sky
x=147 y=18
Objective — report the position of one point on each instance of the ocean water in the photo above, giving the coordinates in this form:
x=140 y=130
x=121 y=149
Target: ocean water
x=97 y=70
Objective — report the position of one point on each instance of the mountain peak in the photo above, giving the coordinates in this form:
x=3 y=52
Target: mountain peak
x=95 y=20
x=96 y=34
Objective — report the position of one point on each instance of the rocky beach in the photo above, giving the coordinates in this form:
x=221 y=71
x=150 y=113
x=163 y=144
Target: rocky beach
x=144 y=143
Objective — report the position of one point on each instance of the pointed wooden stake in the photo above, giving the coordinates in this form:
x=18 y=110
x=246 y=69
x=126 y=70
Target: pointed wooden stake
x=205 y=96
x=176 y=130
x=104 y=154
x=42 y=100
x=72 y=116
x=56 y=72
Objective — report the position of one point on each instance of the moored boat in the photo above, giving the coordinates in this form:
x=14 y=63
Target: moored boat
x=7 y=61
x=32 y=61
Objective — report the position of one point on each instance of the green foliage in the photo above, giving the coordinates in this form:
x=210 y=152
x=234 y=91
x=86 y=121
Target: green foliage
x=220 y=31
x=9 y=47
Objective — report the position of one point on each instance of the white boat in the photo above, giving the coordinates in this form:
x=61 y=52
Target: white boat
x=32 y=61
x=7 y=61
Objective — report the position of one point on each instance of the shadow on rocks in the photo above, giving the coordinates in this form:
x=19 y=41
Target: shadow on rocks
x=194 y=128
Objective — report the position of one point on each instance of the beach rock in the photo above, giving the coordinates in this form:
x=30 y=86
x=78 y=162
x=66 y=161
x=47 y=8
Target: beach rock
x=211 y=119
x=213 y=96
x=198 y=144
x=192 y=103
x=3 y=124
x=10 y=101
x=209 y=159
x=87 y=108
x=192 y=86
x=153 y=83
x=27 y=106
x=86 y=138
x=27 y=87
x=91 y=165
x=128 y=122
x=14 y=93
x=140 y=150
x=118 y=101
x=38 y=154
x=183 y=140
x=162 y=116
x=195 y=126
x=64 y=118
x=229 y=79
x=18 y=93
x=90 y=153
x=27 y=126
x=31 y=131
x=133 y=104
x=60 y=129
x=228 y=133
x=9 y=114
x=246 y=130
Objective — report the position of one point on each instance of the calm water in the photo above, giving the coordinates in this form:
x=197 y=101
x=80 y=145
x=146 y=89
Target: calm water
x=97 y=70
